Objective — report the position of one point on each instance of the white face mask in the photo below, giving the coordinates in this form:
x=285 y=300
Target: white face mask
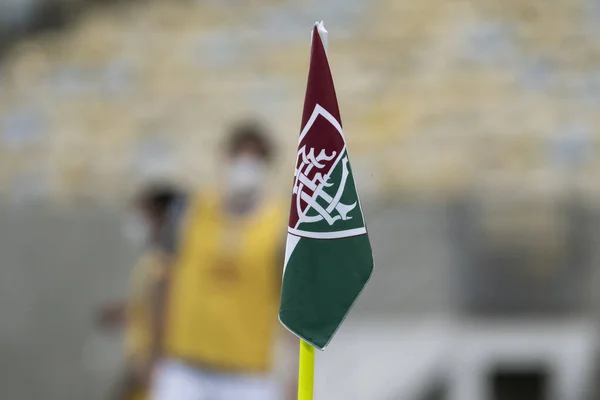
x=136 y=230
x=245 y=175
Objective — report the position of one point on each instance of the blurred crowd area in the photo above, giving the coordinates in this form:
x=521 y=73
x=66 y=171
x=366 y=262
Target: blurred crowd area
x=435 y=95
x=473 y=131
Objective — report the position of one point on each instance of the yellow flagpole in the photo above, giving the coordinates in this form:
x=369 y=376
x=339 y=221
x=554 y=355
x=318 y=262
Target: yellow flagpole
x=306 y=371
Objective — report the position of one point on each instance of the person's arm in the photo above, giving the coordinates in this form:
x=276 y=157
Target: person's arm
x=169 y=242
x=158 y=314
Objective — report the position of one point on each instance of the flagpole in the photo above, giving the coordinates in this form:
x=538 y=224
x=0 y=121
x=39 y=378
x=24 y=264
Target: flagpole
x=306 y=371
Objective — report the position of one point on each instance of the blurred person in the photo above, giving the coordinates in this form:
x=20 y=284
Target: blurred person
x=225 y=283
x=142 y=313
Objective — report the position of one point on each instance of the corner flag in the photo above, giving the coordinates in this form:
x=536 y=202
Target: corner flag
x=328 y=258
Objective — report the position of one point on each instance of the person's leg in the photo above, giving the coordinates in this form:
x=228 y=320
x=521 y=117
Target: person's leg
x=176 y=381
x=246 y=387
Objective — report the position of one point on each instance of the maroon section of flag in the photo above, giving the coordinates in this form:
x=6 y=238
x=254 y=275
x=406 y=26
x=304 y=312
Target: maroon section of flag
x=319 y=88
x=321 y=142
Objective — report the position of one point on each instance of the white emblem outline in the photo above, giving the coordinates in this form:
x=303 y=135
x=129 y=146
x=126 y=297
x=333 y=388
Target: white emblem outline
x=319 y=110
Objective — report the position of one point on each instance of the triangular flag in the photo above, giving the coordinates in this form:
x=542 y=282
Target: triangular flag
x=328 y=258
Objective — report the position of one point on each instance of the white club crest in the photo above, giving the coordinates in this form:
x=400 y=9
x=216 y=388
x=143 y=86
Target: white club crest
x=334 y=210
x=317 y=192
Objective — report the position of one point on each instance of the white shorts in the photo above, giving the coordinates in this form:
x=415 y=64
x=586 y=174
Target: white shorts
x=175 y=380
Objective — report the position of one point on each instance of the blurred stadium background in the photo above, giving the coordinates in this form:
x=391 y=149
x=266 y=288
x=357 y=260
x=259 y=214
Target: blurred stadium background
x=473 y=127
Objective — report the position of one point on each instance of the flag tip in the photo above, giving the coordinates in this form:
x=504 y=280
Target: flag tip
x=320 y=27
x=322 y=33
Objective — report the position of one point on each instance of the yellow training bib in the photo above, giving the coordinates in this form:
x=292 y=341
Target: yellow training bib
x=224 y=290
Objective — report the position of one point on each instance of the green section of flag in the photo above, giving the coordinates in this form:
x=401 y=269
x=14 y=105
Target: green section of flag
x=322 y=280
